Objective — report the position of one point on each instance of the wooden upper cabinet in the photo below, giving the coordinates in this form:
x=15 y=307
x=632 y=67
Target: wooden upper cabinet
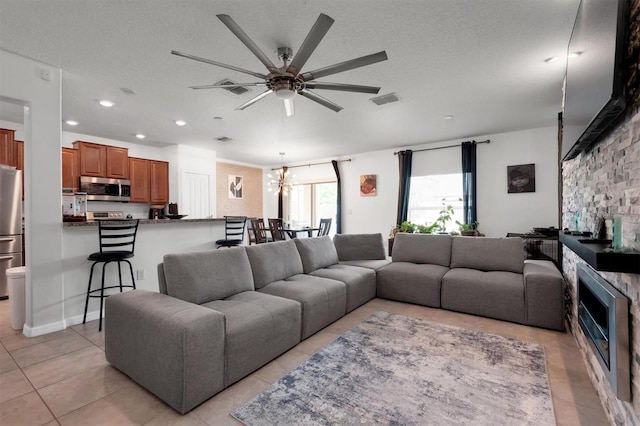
x=117 y=162
x=139 y=177
x=159 y=180
x=93 y=158
x=7 y=147
x=103 y=160
x=70 y=168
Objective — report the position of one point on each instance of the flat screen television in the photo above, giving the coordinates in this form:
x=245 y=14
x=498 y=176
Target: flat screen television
x=594 y=86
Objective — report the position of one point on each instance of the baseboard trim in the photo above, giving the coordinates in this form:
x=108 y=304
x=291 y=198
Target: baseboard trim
x=43 y=329
x=58 y=325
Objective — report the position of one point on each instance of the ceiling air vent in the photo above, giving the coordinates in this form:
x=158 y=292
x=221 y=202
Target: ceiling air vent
x=385 y=99
x=223 y=139
x=235 y=90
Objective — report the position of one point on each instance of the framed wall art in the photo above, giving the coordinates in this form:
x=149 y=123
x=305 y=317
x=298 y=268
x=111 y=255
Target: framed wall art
x=368 y=185
x=234 y=183
x=521 y=178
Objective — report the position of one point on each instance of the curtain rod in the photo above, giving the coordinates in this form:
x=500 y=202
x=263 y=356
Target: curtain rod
x=312 y=164
x=442 y=147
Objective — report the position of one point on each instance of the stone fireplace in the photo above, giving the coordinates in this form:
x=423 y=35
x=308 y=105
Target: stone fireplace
x=604 y=182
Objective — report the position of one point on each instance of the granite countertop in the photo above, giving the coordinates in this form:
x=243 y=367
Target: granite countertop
x=145 y=221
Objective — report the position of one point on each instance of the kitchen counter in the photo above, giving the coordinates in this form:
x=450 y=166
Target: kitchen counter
x=146 y=221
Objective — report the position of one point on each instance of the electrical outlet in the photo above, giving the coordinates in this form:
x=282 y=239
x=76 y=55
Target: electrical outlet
x=140 y=274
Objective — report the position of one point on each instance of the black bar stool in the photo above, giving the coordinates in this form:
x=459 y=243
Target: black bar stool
x=233 y=231
x=117 y=242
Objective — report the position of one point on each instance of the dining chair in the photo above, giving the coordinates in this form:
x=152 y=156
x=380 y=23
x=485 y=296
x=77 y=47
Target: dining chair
x=251 y=232
x=325 y=226
x=117 y=242
x=261 y=231
x=233 y=231
x=277 y=230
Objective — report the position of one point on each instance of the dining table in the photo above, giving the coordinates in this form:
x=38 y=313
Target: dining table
x=293 y=232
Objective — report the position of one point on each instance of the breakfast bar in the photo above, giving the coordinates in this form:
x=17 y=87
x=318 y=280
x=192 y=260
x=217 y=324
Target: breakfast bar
x=156 y=237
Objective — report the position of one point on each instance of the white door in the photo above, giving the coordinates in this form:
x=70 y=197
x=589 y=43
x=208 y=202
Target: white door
x=195 y=195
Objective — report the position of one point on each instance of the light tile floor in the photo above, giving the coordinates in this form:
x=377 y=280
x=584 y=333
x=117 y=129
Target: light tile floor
x=63 y=377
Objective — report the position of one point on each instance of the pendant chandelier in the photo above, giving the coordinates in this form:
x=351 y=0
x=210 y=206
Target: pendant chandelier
x=280 y=182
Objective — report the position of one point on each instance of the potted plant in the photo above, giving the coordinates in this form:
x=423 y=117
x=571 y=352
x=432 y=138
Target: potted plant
x=468 y=229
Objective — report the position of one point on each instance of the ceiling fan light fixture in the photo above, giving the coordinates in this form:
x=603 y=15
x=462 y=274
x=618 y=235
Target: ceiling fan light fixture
x=286 y=94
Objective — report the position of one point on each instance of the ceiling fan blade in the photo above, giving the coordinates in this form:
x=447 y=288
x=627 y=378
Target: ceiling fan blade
x=343 y=87
x=244 y=38
x=218 y=64
x=224 y=86
x=254 y=100
x=319 y=99
x=345 y=66
x=288 y=107
x=315 y=36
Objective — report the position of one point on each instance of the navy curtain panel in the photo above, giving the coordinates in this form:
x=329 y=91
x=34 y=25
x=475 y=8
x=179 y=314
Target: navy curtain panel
x=280 y=194
x=404 y=163
x=469 y=182
x=338 y=198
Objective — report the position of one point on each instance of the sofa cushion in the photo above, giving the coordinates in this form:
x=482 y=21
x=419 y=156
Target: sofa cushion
x=257 y=320
x=360 y=282
x=323 y=300
x=422 y=248
x=200 y=277
x=411 y=282
x=316 y=253
x=359 y=246
x=369 y=264
x=493 y=294
x=488 y=254
x=273 y=262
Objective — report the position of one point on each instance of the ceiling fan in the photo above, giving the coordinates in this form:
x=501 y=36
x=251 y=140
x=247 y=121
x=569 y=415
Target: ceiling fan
x=288 y=80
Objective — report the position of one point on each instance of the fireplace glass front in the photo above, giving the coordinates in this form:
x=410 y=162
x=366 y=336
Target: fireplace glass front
x=603 y=315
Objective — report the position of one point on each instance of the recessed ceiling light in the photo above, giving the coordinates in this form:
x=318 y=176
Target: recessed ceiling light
x=140 y=136
x=105 y=103
x=574 y=54
x=448 y=117
x=552 y=59
x=181 y=123
x=71 y=122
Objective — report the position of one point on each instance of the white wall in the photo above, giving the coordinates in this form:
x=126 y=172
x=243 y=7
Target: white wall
x=21 y=82
x=498 y=212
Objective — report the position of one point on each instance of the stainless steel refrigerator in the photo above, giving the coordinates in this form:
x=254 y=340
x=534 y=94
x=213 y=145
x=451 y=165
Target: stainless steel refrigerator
x=10 y=223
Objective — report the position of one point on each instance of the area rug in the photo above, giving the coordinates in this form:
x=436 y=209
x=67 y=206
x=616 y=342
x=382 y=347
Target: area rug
x=395 y=370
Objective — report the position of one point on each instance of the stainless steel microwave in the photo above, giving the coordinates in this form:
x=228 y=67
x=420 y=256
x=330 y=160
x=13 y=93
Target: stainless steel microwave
x=104 y=189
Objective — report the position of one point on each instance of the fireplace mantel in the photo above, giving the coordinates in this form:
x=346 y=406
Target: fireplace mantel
x=600 y=258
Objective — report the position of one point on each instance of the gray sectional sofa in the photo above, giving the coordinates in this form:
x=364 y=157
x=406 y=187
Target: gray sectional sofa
x=222 y=314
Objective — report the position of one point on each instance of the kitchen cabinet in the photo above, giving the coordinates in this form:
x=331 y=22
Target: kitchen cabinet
x=149 y=181
x=139 y=177
x=7 y=147
x=117 y=162
x=103 y=160
x=93 y=158
x=19 y=158
x=159 y=181
x=70 y=168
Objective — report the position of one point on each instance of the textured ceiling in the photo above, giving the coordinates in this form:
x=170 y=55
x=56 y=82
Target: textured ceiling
x=481 y=61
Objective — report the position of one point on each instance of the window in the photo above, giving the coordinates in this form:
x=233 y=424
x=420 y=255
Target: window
x=427 y=195
x=310 y=202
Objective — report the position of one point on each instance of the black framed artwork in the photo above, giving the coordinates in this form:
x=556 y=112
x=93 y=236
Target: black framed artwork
x=521 y=178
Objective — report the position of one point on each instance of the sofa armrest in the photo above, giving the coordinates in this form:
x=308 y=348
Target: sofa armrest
x=173 y=348
x=543 y=294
